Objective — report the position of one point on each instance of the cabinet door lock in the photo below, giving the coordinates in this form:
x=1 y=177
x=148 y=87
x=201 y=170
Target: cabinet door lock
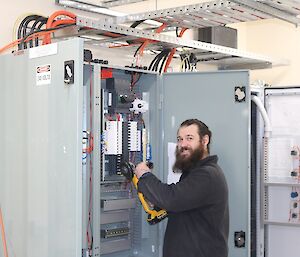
x=239 y=239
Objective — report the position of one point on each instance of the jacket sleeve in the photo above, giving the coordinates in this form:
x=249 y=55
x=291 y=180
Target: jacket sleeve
x=192 y=192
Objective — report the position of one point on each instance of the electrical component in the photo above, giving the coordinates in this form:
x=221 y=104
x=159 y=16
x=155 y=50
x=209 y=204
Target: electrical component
x=113 y=137
x=218 y=35
x=120 y=96
x=295 y=154
x=139 y=106
x=294 y=194
x=294 y=173
x=134 y=137
x=294 y=205
x=114 y=232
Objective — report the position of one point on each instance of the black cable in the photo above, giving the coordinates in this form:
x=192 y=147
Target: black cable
x=46 y=30
x=152 y=62
x=136 y=23
x=158 y=58
x=39 y=28
x=136 y=51
x=21 y=27
x=42 y=20
x=25 y=27
x=133 y=25
x=164 y=60
x=186 y=63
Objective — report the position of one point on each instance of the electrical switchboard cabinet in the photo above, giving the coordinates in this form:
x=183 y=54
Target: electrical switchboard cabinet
x=67 y=126
x=282 y=173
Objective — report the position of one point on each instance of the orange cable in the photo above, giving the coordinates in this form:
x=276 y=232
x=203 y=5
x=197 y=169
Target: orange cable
x=3 y=235
x=62 y=22
x=147 y=41
x=33 y=36
x=10 y=45
x=170 y=57
x=50 y=21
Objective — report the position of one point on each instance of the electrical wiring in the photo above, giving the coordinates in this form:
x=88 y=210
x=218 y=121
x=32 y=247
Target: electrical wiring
x=151 y=65
x=162 y=60
x=38 y=21
x=3 y=234
x=33 y=35
x=46 y=32
x=17 y=23
x=29 y=24
x=24 y=22
x=159 y=60
x=174 y=49
x=135 y=77
x=23 y=27
x=51 y=22
x=37 y=25
x=91 y=146
x=140 y=50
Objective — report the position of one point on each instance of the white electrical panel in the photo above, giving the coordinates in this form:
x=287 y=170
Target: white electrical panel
x=134 y=137
x=113 y=137
x=282 y=173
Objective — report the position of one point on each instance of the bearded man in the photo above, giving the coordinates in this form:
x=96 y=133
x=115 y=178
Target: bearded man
x=197 y=206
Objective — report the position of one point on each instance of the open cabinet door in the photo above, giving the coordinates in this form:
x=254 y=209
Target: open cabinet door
x=221 y=100
x=40 y=156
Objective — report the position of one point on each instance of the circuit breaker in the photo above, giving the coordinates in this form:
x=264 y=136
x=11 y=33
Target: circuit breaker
x=66 y=195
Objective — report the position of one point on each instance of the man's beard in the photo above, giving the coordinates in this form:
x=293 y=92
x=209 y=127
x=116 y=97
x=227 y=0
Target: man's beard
x=183 y=163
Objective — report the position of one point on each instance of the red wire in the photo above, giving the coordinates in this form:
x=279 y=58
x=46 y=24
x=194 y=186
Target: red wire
x=50 y=22
x=147 y=41
x=3 y=235
x=173 y=51
x=90 y=149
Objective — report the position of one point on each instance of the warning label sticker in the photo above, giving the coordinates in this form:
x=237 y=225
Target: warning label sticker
x=43 y=75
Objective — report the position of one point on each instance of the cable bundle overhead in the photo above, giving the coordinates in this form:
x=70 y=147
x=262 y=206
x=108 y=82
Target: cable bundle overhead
x=29 y=25
x=162 y=60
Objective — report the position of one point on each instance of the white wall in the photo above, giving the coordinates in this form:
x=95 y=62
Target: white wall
x=272 y=37
x=277 y=39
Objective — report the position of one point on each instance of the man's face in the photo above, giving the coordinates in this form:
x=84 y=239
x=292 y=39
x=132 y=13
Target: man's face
x=190 y=147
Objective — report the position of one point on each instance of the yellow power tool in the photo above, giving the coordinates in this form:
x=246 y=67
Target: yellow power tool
x=155 y=214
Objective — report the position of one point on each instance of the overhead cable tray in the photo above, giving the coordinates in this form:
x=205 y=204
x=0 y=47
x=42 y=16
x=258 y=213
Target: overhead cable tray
x=112 y=3
x=218 y=13
x=223 y=57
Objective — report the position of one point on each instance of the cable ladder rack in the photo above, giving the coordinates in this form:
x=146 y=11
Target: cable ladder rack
x=221 y=12
x=214 y=13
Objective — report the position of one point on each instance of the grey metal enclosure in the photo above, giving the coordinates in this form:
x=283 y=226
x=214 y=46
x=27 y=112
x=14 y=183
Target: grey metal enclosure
x=213 y=98
x=66 y=127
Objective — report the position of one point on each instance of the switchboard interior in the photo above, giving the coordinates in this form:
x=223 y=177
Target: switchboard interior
x=127 y=127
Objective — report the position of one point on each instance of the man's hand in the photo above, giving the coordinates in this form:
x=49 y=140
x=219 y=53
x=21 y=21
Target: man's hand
x=141 y=169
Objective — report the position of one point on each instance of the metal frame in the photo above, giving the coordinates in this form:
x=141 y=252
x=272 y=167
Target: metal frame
x=206 y=14
x=214 y=13
x=112 y=3
x=96 y=103
x=220 y=12
x=225 y=60
x=283 y=9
